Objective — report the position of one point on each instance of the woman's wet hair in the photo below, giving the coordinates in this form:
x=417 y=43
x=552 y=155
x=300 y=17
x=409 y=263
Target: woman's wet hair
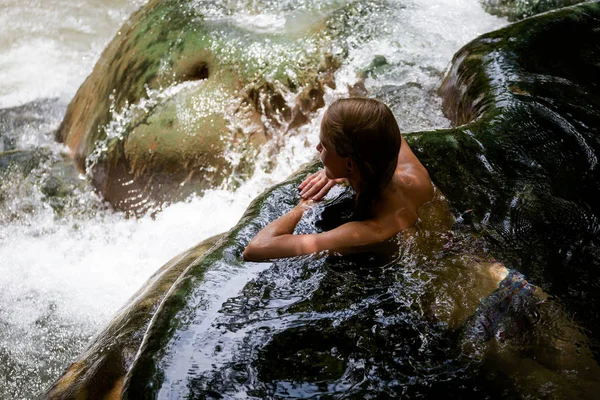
x=366 y=131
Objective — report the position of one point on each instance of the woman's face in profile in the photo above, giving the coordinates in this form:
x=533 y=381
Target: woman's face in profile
x=335 y=166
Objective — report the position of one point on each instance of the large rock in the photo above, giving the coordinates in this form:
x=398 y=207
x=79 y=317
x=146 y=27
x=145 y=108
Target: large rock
x=181 y=98
x=296 y=322
x=359 y=326
x=524 y=158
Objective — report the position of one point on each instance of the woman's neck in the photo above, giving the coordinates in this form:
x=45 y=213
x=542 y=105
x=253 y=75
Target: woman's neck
x=354 y=180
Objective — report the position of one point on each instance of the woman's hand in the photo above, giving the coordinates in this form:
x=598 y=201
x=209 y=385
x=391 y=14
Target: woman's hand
x=317 y=185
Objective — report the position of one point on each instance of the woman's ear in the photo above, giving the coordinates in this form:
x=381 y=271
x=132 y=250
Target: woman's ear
x=349 y=165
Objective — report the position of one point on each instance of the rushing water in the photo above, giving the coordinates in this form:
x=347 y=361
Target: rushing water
x=64 y=274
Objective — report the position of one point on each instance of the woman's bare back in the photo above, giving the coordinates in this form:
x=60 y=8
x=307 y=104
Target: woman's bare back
x=409 y=189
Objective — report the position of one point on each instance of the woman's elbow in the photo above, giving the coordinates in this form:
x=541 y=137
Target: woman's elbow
x=253 y=252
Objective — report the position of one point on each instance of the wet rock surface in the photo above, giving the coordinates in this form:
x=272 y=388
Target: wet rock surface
x=524 y=158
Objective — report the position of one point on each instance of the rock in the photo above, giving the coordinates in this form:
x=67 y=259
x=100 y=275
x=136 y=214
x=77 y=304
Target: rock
x=33 y=173
x=100 y=370
x=176 y=91
x=524 y=156
x=32 y=180
x=22 y=160
x=315 y=323
x=515 y=10
x=20 y=126
x=201 y=320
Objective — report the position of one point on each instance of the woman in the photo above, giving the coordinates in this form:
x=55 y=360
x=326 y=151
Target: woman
x=359 y=142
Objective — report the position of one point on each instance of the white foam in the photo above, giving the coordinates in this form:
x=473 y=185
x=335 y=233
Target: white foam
x=48 y=48
x=418 y=40
x=261 y=22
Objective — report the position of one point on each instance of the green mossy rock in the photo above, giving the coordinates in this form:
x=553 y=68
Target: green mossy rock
x=524 y=157
x=176 y=90
x=515 y=10
x=99 y=371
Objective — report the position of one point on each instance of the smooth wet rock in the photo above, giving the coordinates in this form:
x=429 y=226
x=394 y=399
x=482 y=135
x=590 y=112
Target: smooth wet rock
x=100 y=370
x=515 y=10
x=524 y=157
x=182 y=99
x=295 y=327
x=307 y=326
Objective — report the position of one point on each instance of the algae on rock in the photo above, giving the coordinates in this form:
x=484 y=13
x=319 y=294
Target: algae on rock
x=179 y=88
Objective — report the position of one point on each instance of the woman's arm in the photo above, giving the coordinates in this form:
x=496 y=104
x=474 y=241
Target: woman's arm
x=277 y=240
x=265 y=244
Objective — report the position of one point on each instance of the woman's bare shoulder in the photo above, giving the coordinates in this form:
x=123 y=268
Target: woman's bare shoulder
x=414 y=183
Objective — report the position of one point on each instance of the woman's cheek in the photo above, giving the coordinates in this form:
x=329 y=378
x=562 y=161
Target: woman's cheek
x=322 y=157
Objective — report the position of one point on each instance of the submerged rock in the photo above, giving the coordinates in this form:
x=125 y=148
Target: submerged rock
x=33 y=172
x=515 y=10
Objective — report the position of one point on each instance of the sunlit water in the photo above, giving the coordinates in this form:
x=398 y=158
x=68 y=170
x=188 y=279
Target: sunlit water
x=62 y=277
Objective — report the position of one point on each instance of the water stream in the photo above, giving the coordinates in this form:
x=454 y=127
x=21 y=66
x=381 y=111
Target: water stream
x=64 y=274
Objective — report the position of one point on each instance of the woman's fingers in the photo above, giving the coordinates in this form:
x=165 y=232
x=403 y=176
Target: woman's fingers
x=317 y=185
x=313 y=187
x=310 y=181
x=307 y=180
x=324 y=190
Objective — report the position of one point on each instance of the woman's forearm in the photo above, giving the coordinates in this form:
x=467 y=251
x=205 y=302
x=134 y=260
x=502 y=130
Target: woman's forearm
x=261 y=247
x=282 y=225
